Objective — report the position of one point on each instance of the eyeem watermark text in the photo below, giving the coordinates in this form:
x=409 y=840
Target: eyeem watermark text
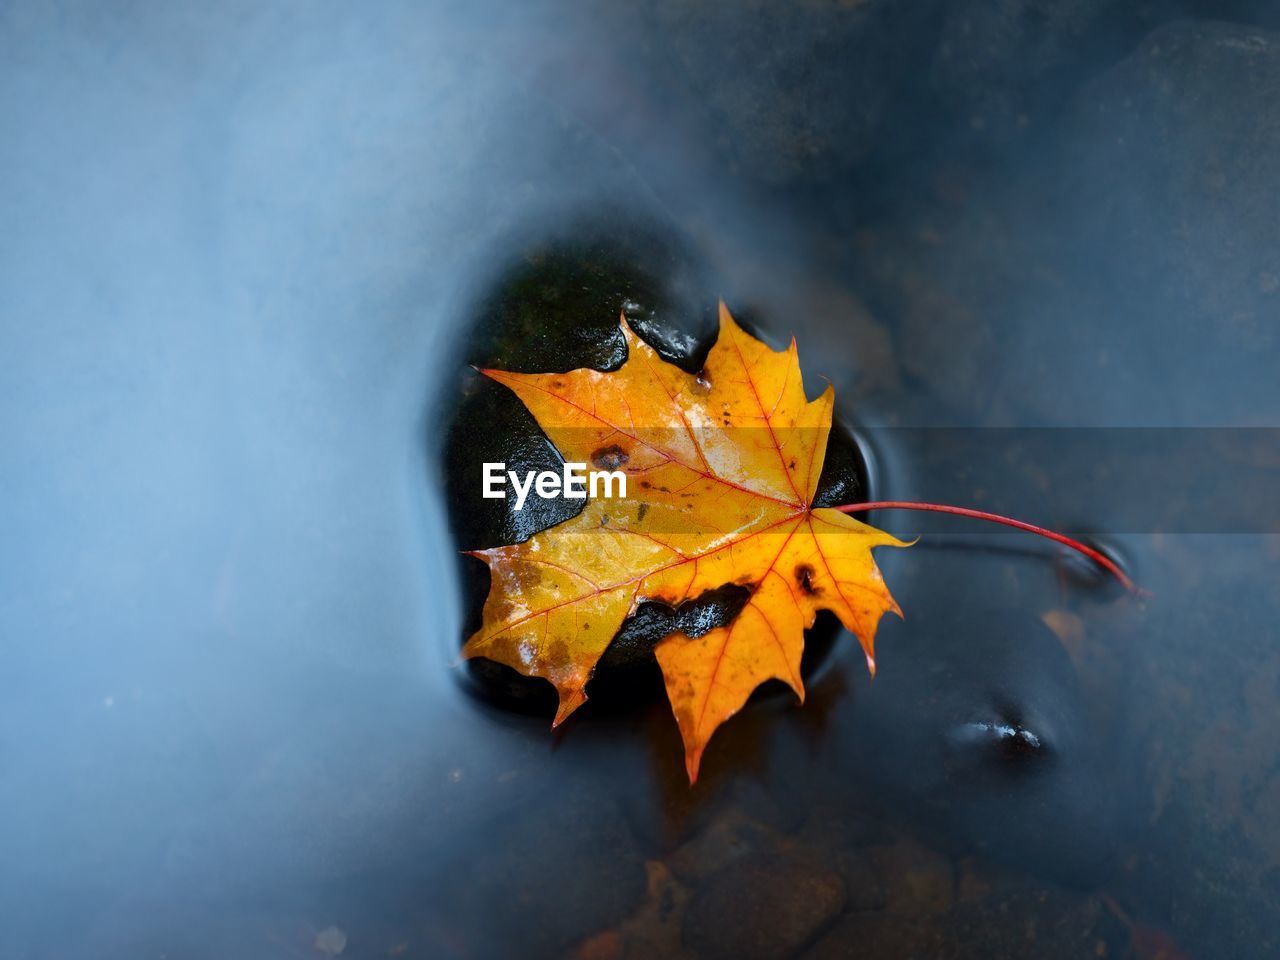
x=574 y=483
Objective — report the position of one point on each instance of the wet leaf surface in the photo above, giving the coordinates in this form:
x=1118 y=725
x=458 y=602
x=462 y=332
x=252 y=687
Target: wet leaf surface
x=724 y=466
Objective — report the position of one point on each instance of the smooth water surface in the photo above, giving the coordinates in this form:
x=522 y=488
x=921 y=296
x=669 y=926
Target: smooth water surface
x=246 y=249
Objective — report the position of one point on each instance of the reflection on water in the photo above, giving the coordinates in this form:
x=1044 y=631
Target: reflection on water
x=247 y=251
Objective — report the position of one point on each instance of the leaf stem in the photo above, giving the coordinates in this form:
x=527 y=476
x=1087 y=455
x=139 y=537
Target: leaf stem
x=1096 y=556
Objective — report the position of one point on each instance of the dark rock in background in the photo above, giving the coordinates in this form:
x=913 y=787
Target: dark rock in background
x=784 y=91
x=803 y=96
x=977 y=723
x=762 y=908
x=1173 y=155
x=1125 y=273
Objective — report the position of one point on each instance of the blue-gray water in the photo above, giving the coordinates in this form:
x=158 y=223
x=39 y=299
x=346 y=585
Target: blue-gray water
x=241 y=246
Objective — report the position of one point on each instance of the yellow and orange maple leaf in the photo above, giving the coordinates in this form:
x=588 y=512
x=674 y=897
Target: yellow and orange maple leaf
x=722 y=469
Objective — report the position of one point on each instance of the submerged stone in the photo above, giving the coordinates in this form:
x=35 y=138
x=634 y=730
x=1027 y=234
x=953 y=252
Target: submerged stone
x=977 y=729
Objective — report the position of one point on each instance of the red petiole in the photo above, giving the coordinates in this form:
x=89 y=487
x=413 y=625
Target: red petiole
x=1097 y=557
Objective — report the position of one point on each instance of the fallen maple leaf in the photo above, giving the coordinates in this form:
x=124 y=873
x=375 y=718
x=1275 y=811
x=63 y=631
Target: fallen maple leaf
x=722 y=469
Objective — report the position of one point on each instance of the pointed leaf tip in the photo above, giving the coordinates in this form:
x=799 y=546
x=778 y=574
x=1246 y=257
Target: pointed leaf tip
x=726 y=318
x=571 y=699
x=692 y=763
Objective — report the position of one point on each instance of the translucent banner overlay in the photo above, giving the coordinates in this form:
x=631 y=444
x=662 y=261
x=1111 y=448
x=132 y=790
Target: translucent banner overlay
x=1075 y=480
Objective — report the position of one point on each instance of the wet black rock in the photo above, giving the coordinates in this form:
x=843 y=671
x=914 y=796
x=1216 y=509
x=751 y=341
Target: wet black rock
x=557 y=308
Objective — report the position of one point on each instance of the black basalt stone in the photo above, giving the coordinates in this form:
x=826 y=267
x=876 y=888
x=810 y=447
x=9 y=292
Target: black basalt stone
x=557 y=308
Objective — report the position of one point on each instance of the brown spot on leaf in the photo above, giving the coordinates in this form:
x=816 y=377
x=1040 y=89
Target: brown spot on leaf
x=504 y=648
x=498 y=609
x=610 y=457
x=557 y=656
x=804 y=577
x=525 y=576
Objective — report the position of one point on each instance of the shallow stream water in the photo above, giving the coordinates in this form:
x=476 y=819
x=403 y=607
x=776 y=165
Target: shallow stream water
x=249 y=252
